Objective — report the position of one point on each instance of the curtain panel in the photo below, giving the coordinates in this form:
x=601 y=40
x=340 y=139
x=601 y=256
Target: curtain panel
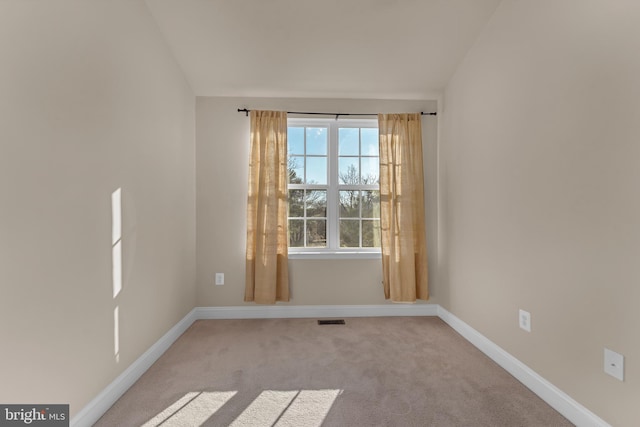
x=267 y=278
x=402 y=218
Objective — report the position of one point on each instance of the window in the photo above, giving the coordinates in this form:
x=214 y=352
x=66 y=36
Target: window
x=334 y=193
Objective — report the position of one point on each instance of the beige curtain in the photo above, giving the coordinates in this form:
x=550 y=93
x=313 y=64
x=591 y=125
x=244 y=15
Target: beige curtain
x=402 y=222
x=267 y=278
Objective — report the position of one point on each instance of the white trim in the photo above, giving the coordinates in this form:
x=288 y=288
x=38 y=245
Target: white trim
x=107 y=397
x=332 y=185
x=307 y=311
x=556 y=398
x=335 y=255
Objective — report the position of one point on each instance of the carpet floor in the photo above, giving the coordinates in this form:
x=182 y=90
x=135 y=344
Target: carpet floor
x=393 y=371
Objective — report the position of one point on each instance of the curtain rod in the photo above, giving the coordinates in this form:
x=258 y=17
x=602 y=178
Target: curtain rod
x=244 y=110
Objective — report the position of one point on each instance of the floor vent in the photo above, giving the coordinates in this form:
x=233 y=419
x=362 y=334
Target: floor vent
x=331 y=322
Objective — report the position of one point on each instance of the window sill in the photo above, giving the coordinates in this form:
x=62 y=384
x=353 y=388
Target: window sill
x=335 y=255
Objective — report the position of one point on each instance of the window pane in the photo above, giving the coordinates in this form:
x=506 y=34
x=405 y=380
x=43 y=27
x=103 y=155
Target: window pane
x=350 y=204
x=295 y=140
x=370 y=233
x=348 y=171
x=296 y=203
x=317 y=141
x=317 y=170
x=370 y=142
x=355 y=179
x=349 y=233
x=316 y=233
x=296 y=233
x=370 y=204
x=295 y=165
x=370 y=170
x=317 y=203
x=348 y=142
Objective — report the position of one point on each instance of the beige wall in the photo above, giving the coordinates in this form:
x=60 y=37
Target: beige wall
x=222 y=171
x=90 y=101
x=540 y=199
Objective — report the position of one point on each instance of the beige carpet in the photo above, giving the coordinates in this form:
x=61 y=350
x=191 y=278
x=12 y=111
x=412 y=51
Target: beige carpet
x=402 y=371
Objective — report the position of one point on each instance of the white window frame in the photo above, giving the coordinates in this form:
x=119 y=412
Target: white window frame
x=333 y=249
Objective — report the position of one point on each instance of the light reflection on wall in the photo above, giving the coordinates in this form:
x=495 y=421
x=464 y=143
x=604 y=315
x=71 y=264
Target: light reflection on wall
x=116 y=241
x=116 y=333
x=116 y=264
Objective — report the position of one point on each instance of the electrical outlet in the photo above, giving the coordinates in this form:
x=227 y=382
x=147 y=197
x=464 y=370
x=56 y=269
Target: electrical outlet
x=614 y=364
x=525 y=320
x=219 y=278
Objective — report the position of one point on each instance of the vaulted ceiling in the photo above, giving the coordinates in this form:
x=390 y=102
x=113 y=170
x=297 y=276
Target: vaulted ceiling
x=404 y=49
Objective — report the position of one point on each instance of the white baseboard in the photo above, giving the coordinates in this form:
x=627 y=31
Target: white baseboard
x=306 y=311
x=556 y=398
x=103 y=401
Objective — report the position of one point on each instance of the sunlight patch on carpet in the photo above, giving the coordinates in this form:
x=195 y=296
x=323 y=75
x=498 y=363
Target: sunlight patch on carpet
x=265 y=409
x=303 y=408
x=193 y=408
x=309 y=409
